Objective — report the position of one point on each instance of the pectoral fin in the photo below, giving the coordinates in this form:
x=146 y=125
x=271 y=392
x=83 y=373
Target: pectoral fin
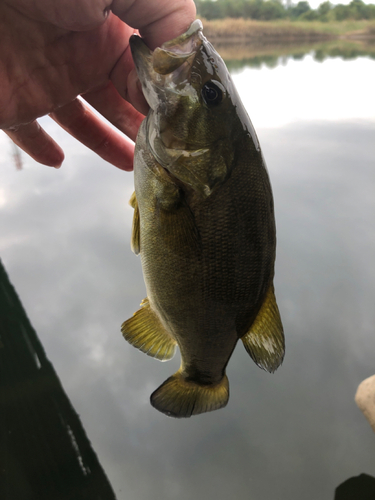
x=265 y=339
x=135 y=238
x=145 y=331
x=178 y=231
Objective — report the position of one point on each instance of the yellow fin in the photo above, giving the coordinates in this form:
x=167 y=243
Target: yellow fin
x=179 y=398
x=135 y=239
x=265 y=339
x=133 y=200
x=145 y=332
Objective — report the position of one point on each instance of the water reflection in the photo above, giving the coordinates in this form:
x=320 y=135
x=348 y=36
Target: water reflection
x=64 y=237
x=238 y=56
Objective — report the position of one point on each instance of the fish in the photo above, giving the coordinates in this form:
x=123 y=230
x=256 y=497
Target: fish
x=203 y=226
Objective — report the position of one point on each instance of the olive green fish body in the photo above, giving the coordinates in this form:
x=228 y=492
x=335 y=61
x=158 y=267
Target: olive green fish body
x=203 y=225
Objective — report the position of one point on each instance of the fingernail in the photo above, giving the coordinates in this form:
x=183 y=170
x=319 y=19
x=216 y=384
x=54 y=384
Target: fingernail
x=57 y=166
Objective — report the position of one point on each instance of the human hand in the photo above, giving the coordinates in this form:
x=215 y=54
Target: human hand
x=52 y=52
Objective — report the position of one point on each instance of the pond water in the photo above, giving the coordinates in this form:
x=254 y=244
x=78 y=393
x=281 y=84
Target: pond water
x=296 y=434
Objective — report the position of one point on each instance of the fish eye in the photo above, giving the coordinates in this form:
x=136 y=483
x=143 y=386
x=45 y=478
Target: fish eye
x=212 y=93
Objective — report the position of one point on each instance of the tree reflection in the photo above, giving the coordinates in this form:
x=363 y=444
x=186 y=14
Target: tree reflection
x=238 y=56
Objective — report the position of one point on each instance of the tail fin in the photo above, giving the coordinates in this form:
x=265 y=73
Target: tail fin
x=180 y=398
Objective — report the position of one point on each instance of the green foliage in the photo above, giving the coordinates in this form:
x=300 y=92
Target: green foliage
x=310 y=15
x=274 y=9
x=357 y=9
x=253 y=9
x=295 y=11
x=324 y=10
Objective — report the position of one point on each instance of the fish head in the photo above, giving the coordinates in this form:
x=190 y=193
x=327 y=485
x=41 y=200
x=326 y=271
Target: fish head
x=195 y=113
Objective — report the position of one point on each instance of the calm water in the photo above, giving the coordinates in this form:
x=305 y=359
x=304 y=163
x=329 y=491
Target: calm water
x=64 y=240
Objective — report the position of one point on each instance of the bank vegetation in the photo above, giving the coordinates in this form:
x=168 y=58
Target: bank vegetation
x=272 y=19
x=267 y=10
x=239 y=29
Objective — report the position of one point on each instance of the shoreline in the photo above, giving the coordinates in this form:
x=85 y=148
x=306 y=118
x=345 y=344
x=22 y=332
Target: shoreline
x=236 y=31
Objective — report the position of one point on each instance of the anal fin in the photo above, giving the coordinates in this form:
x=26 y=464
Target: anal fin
x=145 y=331
x=180 y=398
x=265 y=339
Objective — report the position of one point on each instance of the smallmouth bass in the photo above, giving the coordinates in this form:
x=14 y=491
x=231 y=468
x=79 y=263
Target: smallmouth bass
x=203 y=226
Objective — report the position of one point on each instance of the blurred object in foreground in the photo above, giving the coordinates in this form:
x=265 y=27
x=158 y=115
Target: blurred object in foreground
x=360 y=487
x=44 y=450
x=365 y=399
x=17 y=157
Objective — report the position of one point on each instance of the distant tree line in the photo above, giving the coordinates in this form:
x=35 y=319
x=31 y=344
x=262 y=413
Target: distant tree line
x=274 y=9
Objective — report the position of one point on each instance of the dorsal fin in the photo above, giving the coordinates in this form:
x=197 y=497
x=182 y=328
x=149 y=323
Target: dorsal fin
x=145 y=331
x=265 y=339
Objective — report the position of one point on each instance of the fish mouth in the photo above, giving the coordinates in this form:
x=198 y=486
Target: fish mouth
x=166 y=70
